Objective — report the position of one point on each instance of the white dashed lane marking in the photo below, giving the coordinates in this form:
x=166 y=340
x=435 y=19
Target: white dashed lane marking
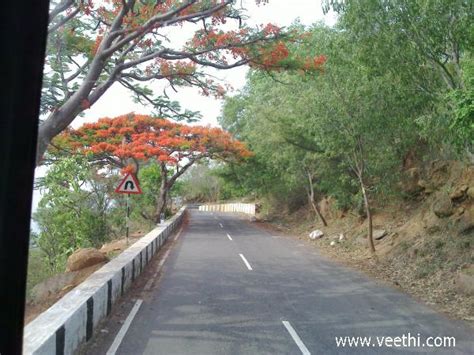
x=245 y=262
x=304 y=350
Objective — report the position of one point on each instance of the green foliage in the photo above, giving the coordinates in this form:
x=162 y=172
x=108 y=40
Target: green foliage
x=73 y=211
x=38 y=269
x=425 y=42
x=201 y=184
x=325 y=125
x=144 y=205
x=390 y=84
x=462 y=125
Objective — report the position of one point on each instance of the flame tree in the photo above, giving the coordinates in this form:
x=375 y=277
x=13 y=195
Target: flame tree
x=94 y=44
x=131 y=140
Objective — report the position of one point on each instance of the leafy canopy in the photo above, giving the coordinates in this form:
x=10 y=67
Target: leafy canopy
x=141 y=138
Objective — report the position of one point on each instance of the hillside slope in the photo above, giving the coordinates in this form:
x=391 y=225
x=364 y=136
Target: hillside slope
x=425 y=242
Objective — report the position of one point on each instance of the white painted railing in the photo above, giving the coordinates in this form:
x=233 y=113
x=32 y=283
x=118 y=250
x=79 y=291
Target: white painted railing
x=74 y=318
x=248 y=208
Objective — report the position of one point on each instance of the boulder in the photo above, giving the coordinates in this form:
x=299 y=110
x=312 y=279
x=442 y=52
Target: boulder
x=442 y=206
x=379 y=234
x=459 y=193
x=333 y=243
x=316 y=234
x=470 y=192
x=338 y=237
x=83 y=258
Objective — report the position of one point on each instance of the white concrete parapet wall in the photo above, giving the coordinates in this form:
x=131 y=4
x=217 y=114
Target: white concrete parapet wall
x=74 y=318
x=248 y=208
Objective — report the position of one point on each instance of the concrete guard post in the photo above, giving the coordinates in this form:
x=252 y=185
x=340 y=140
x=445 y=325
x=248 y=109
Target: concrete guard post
x=73 y=319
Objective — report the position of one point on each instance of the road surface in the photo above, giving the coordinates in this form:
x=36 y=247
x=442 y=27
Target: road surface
x=230 y=288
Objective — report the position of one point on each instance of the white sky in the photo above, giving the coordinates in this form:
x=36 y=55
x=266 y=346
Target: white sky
x=117 y=100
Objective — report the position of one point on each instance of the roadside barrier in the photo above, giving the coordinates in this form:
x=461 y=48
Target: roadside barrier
x=248 y=208
x=73 y=319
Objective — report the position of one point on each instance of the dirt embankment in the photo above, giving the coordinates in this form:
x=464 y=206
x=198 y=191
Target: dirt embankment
x=425 y=241
x=46 y=293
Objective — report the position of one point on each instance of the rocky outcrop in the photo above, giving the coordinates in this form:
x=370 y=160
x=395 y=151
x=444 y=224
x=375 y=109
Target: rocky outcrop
x=83 y=258
x=459 y=193
x=442 y=206
x=465 y=222
x=470 y=192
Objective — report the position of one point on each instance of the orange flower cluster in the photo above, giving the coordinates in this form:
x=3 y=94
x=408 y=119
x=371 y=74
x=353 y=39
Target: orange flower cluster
x=144 y=137
x=177 y=67
x=260 y=55
x=271 y=57
x=257 y=47
x=212 y=38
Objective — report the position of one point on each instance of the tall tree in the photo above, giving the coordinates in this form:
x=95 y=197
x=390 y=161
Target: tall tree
x=343 y=132
x=140 y=138
x=93 y=45
x=426 y=42
x=74 y=209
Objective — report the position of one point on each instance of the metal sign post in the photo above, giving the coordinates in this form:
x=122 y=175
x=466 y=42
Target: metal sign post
x=129 y=185
x=128 y=216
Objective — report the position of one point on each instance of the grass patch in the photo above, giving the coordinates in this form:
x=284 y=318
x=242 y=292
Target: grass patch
x=443 y=252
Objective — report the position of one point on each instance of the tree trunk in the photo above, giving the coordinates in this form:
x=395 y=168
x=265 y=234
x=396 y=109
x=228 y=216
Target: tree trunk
x=82 y=99
x=370 y=235
x=161 y=203
x=318 y=212
x=311 y=199
x=162 y=197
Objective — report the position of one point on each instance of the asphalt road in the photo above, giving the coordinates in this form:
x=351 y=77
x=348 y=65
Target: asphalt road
x=230 y=288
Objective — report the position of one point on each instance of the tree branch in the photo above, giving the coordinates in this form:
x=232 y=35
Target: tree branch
x=63 y=21
x=62 y=6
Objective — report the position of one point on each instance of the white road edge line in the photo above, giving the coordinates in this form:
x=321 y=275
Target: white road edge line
x=160 y=264
x=245 y=262
x=162 y=261
x=296 y=338
x=179 y=233
x=221 y=225
x=121 y=334
x=228 y=236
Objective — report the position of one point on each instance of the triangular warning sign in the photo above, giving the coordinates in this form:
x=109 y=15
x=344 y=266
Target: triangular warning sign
x=129 y=185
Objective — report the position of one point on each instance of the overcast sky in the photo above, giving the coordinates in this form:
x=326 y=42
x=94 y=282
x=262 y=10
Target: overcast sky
x=117 y=101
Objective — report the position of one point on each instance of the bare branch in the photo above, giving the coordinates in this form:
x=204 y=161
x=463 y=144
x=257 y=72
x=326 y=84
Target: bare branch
x=115 y=32
x=62 y=6
x=63 y=21
x=79 y=70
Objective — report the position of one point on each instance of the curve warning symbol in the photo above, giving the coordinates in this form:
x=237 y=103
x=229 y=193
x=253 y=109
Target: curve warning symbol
x=129 y=185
